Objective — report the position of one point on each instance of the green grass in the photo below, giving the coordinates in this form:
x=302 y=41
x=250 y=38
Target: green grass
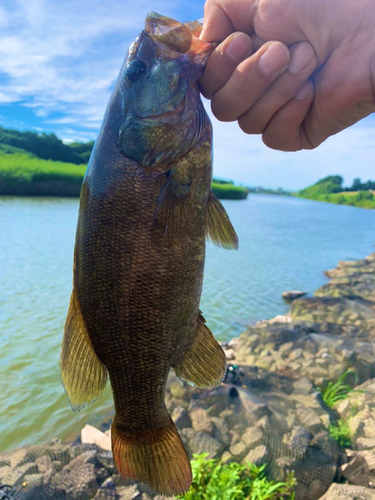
x=330 y=190
x=340 y=431
x=337 y=391
x=22 y=173
x=213 y=480
x=26 y=168
x=229 y=191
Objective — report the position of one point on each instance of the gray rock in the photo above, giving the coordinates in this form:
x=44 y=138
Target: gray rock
x=257 y=456
x=357 y=471
x=348 y=492
x=200 y=420
x=204 y=443
x=293 y=295
x=129 y=493
x=181 y=418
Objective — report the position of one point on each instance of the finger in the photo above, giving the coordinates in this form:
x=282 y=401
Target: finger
x=302 y=63
x=223 y=17
x=220 y=17
x=249 y=81
x=285 y=131
x=223 y=61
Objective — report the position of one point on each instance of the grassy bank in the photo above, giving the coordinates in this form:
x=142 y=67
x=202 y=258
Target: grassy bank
x=24 y=174
x=228 y=191
x=330 y=190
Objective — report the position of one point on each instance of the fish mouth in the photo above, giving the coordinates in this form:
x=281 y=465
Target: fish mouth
x=182 y=38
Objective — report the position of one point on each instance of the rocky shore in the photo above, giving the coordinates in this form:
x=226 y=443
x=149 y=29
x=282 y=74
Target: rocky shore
x=269 y=410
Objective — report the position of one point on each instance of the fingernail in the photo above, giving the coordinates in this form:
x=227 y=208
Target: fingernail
x=239 y=47
x=274 y=59
x=304 y=92
x=301 y=57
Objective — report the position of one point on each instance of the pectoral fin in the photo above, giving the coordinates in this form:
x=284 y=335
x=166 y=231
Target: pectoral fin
x=174 y=205
x=83 y=375
x=219 y=228
x=204 y=364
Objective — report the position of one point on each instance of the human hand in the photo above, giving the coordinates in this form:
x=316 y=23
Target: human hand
x=342 y=36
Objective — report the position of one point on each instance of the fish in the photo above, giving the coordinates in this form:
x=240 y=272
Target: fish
x=146 y=210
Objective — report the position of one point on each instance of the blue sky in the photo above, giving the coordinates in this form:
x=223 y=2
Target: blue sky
x=58 y=63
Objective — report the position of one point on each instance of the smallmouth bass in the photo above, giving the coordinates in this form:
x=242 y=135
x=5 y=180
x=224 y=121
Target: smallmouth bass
x=146 y=208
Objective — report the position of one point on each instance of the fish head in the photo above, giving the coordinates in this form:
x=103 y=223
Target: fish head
x=161 y=113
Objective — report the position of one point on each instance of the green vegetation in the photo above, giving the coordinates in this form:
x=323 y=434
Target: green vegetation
x=227 y=191
x=337 y=391
x=331 y=190
x=47 y=146
x=22 y=173
x=261 y=190
x=213 y=480
x=340 y=431
x=28 y=167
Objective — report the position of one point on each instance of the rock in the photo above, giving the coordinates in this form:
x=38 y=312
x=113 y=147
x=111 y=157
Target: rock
x=200 y=420
x=293 y=295
x=181 y=418
x=177 y=390
x=229 y=354
x=257 y=456
x=356 y=471
x=130 y=493
x=92 y=435
x=252 y=437
x=348 y=492
x=204 y=443
x=238 y=451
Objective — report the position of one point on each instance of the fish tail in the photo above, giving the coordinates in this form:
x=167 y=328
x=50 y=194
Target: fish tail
x=156 y=457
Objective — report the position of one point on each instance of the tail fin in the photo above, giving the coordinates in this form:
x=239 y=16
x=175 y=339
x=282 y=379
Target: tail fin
x=156 y=458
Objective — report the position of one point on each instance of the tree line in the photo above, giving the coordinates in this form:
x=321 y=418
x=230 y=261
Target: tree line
x=47 y=146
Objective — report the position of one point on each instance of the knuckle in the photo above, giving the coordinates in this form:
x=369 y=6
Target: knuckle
x=282 y=89
x=249 y=125
x=274 y=141
x=220 y=109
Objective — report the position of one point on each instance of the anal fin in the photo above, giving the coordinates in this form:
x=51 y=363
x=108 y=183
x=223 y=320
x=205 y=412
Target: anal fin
x=83 y=375
x=219 y=228
x=204 y=364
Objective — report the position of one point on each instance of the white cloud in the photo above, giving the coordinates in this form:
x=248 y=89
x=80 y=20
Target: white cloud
x=63 y=56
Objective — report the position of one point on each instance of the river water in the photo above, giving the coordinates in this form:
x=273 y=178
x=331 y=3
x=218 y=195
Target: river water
x=285 y=243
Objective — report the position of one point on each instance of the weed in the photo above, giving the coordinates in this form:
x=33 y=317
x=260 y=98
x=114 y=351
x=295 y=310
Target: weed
x=337 y=391
x=340 y=431
x=213 y=480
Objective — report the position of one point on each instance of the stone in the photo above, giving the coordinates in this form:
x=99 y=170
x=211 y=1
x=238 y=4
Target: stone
x=229 y=354
x=252 y=437
x=177 y=390
x=181 y=418
x=92 y=435
x=257 y=456
x=356 y=471
x=348 y=492
x=200 y=420
x=293 y=295
x=204 y=443
x=130 y=493
x=220 y=430
x=238 y=450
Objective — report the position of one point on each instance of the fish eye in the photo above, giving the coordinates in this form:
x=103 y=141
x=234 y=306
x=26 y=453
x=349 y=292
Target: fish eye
x=135 y=70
